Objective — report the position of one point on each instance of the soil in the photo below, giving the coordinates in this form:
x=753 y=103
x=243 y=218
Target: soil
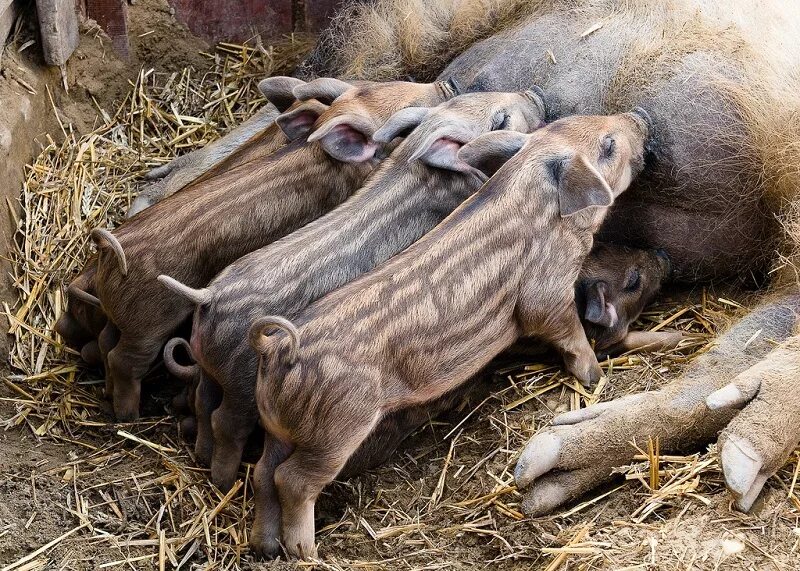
x=49 y=485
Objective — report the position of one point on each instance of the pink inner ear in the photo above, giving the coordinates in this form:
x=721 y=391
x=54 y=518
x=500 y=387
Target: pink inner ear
x=443 y=153
x=302 y=122
x=348 y=144
x=299 y=125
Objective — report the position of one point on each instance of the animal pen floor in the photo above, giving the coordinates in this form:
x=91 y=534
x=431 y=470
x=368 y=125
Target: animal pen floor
x=79 y=492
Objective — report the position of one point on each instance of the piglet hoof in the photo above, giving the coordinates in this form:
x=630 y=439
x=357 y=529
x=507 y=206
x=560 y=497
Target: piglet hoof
x=203 y=450
x=90 y=353
x=589 y=373
x=126 y=410
x=265 y=545
x=223 y=477
x=188 y=428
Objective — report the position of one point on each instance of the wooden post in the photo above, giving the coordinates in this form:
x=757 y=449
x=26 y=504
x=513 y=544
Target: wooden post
x=8 y=12
x=58 y=21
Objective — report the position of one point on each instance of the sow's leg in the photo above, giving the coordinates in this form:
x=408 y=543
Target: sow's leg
x=755 y=365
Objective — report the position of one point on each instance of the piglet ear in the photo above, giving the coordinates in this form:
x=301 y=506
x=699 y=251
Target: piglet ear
x=324 y=89
x=298 y=121
x=346 y=138
x=491 y=151
x=580 y=185
x=400 y=124
x=278 y=90
x=440 y=149
x=598 y=310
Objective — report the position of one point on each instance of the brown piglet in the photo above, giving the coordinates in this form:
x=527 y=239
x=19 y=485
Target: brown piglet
x=411 y=192
x=615 y=284
x=81 y=325
x=198 y=231
x=615 y=266
x=501 y=266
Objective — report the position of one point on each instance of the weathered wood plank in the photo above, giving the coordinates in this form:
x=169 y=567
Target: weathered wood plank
x=58 y=21
x=8 y=12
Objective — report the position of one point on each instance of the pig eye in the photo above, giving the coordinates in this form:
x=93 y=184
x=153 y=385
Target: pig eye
x=634 y=280
x=608 y=145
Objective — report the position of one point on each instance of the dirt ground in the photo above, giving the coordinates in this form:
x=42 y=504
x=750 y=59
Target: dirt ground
x=80 y=492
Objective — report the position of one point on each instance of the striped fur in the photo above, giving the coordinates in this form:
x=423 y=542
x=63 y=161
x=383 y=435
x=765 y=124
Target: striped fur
x=196 y=232
x=402 y=201
x=502 y=265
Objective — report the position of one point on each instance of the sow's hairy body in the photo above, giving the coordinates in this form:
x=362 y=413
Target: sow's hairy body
x=722 y=83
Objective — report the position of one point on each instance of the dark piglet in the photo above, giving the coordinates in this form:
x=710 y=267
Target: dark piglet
x=257 y=137
x=615 y=284
x=198 y=231
x=416 y=188
x=501 y=266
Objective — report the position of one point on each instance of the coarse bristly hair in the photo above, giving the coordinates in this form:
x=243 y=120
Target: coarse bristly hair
x=389 y=39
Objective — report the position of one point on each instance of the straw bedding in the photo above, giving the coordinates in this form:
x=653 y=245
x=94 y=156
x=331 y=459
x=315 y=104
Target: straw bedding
x=129 y=496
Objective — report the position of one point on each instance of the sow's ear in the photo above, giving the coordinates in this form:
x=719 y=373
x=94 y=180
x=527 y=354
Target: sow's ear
x=346 y=138
x=401 y=124
x=490 y=151
x=278 y=90
x=298 y=122
x=324 y=89
x=580 y=185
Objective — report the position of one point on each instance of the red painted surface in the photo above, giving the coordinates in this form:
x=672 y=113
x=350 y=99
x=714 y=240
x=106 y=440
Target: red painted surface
x=112 y=15
x=220 y=20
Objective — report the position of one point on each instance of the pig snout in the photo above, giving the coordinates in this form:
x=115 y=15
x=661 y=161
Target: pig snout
x=643 y=120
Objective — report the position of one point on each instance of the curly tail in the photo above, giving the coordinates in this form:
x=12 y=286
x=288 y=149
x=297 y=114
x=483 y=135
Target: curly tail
x=200 y=296
x=186 y=373
x=81 y=295
x=259 y=340
x=103 y=238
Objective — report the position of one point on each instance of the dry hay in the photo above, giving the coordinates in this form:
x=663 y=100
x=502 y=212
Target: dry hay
x=136 y=499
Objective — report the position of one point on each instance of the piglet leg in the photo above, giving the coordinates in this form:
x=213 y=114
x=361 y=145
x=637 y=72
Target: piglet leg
x=128 y=363
x=232 y=423
x=207 y=397
x=265 y=536
x=310 y=468
x=569 y=338
x=108 y=339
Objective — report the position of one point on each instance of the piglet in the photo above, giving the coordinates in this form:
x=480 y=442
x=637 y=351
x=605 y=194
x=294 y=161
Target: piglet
x=81 y=325
x=630 y=277
x=501 y=266
x=415 y=188
x=615 y=284
x=257 y=137
x=198 y=231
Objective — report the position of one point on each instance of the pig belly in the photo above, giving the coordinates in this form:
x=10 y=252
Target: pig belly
x=703 y=245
